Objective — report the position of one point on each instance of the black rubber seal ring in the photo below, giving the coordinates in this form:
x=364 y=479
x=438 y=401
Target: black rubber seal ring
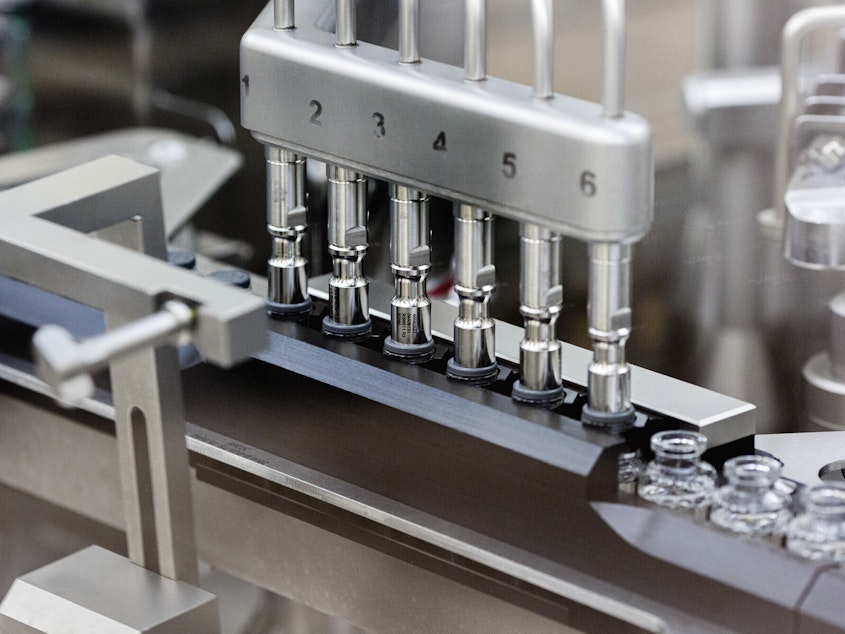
x=289 y=310
x=334 y=329
x=609 y=421
x=461 y=373
x=537 y=397
x=393 y=348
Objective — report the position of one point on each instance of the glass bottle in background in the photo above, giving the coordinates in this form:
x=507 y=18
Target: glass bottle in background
x=749 y=503
x=677 y=477
x=819 y=532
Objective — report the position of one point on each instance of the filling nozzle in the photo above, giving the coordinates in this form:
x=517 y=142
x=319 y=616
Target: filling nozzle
x=410 y=260
x=475 y=281
x=349 y=313
x=609 y=382
x=540 y=381
x=287 y=281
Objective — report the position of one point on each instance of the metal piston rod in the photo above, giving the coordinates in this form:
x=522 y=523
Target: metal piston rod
x=541 y=294
x=287 y=282
x=475 y=274
x=410 y=250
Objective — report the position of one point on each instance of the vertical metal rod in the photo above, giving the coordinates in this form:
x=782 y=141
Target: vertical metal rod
x=349 y=312
x=475 y=40
x=543 y=26
x=613 y=97
x=347 y=29
x=609 y=314
x=283 y=14
x=541 y=295
x=409 y=31
x=410 y=260
x=475 y=281
x=410 y=249
x=287 y=280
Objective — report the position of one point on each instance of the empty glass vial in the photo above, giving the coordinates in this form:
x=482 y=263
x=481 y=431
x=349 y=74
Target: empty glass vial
x=819 y=532
x=677 y=477
x=749 y=504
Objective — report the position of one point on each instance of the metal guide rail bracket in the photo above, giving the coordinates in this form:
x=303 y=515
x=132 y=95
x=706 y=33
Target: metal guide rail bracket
x=43 y=242
x=557 y=162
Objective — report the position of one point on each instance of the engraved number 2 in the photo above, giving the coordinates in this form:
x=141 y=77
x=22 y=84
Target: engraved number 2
x=318 y=110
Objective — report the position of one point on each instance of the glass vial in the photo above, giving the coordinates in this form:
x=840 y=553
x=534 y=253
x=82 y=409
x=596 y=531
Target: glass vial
x=629 y=469
x=677 y=477
x=819 y=532
x=749 y=503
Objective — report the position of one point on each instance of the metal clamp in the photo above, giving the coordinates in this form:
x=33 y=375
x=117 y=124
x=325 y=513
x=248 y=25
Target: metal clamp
x=43 y=243
x=66 y=365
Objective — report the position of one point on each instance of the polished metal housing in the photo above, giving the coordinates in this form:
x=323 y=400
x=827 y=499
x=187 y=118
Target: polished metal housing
x=609 y=316
x=287 y=280
x=558 y=162
x=349 y=314
x=475 y=281
x=410 y=261
x=541 y=297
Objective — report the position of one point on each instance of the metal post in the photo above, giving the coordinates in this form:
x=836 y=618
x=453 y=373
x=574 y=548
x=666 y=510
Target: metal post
x=541 y=294
x=287 y=280
x=349 y=312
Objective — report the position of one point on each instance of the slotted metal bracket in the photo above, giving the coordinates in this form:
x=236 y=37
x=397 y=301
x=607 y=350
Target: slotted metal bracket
x=44 y=242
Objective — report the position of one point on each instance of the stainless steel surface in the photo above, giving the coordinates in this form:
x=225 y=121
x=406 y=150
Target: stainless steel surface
x=95 y=590
x=410 y=262
x=287 y=279
x=347 y=231
x=474 y=333
x=288 y=555
x=191 y=169
x=722 y=419
x=734 y=107
x=448 y=137
x=823 y=397
x=475 y=40
x=409 y=31
x=795 y=32
x=378 y=479
x=609 y=311
x=346 y=26
x=67 y=365
x=804 y=455
x=837 y=335
x=291 y=557
x=146 y=388
x=748 y=308
x=283 y=14
x=814 y=231
x=41 y=252
x=150 y=425
x=541 y=296
x=543 y=35
x=613 y=89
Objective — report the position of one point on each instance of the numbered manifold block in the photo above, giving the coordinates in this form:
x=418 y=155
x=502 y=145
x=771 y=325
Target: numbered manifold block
x=556 y=162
